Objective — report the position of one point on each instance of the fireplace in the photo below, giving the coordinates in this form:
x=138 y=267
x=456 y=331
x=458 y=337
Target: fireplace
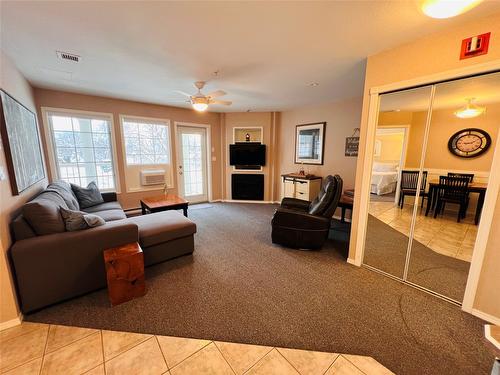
x=247 y=186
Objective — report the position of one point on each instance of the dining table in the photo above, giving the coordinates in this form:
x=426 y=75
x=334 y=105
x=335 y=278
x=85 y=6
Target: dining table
x=473 y=187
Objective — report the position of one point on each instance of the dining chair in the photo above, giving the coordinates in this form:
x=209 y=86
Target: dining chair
x=409 y=181
x=452 y=190
x=470 y=176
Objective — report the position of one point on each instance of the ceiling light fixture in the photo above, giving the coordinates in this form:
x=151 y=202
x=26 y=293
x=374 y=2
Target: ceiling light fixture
x=314 y=84
x=447 y=8
x=470 y=110
x=199 y=104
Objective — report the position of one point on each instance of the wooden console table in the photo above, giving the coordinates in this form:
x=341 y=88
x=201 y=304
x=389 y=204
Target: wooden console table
x=125 y=273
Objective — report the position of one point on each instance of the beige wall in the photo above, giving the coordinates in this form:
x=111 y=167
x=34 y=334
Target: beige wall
x=443 y=125
x=14 y=83
x=391 y=146
x=117 y=107
x=426 y=56
x=341 y=118
x=268 y=122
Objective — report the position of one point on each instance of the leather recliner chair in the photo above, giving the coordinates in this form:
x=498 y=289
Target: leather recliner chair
x=305 y=225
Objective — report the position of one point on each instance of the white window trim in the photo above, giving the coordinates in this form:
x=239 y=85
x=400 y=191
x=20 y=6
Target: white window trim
x=167 y=122
x=49 y=136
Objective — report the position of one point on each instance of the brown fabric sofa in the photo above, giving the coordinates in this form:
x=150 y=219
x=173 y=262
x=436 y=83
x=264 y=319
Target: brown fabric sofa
x=51 y=265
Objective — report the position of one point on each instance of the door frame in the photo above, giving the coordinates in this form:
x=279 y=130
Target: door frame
x=406 y=135
x=367 y=139
x=208 y=148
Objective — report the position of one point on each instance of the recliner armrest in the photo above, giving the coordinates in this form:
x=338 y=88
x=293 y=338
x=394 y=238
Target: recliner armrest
x=295 y=204
x=300 y=220
x=109 y=196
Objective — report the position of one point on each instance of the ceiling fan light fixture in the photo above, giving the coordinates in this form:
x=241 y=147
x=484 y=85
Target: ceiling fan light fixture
x=447 y=8
x=470 y=110
x=199 y=104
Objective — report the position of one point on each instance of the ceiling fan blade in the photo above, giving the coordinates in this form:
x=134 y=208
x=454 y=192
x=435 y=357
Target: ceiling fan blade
x=217 y=93
x=183 y=93
x=223 y=102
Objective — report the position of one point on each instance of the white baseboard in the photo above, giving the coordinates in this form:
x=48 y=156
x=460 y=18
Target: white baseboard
x=489 y=318
x=352 y=261
x=243 y=201
x=338 y=217
x=11 y=323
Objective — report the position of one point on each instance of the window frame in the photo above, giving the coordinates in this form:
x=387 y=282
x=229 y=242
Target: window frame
x=49 y=136
x=146 y=120
x=171 y=184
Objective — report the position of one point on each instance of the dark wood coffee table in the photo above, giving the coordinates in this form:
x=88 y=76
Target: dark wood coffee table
x=164 y=202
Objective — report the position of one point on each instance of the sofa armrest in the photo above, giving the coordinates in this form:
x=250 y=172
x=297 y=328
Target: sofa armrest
x=109 y=196
x=295 y=204
x=74 y=261
x=292 y=219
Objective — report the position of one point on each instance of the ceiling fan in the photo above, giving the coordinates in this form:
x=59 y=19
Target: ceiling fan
x=200 y=101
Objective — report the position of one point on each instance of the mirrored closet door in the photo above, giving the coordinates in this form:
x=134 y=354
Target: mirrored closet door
x=396 y=157
x=433 y=151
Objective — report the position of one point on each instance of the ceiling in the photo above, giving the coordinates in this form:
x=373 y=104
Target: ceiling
x=485 y=89
x=266 y=53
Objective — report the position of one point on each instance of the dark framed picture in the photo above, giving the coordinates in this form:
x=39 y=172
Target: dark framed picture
x=310 y=143
x=21 y=142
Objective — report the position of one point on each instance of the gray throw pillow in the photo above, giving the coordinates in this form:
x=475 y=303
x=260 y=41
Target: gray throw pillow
x=63 y=188
x=89 y=196
x=78 y=220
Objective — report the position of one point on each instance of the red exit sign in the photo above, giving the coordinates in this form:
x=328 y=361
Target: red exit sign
x=475 y=46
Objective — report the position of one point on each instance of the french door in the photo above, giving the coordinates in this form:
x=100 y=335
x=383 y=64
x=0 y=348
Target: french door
x=192 y=163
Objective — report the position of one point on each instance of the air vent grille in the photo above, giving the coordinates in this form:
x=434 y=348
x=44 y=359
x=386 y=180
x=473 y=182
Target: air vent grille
x=65 y=56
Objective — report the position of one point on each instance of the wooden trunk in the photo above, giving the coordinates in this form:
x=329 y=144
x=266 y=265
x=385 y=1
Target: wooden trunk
x=125 y=273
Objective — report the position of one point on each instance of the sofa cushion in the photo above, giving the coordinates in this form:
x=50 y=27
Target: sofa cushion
x=79 y=220
x=42 y=213
x=63 y=188
x=162 y=227
x=103 y=207
x=110 y=215
x=21 y=229
x=89 y=196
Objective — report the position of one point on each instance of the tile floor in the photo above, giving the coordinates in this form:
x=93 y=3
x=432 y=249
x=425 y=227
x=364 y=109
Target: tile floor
x=442 y=234
x=33 y=348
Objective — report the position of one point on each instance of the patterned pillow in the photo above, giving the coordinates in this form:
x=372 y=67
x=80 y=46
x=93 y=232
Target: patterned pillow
x=78 y=220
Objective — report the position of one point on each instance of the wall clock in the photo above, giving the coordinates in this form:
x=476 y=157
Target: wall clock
x=468 y=143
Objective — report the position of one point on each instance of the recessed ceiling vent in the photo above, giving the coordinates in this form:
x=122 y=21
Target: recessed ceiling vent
x=65 y=56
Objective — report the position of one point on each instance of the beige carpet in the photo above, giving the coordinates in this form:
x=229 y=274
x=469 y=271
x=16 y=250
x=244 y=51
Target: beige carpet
x=239 y=287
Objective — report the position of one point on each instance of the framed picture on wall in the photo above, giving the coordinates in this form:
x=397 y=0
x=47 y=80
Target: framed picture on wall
x=310 y=143
x=21 y=142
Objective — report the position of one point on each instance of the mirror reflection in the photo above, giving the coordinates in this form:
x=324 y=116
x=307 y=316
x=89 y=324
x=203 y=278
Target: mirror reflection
x=396 y=160
x=457 y=162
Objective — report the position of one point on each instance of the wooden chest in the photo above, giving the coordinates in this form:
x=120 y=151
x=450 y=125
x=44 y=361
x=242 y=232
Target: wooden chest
x=125 y=273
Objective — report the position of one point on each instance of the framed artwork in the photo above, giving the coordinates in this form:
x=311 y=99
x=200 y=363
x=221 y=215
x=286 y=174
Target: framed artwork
x=21 y=142
x=310 y=143
x=351 y=146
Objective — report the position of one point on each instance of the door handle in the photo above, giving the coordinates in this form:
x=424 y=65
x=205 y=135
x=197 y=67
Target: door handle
x=180 y=172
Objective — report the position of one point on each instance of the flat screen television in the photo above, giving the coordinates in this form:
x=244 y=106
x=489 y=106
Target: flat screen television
x=247 y=154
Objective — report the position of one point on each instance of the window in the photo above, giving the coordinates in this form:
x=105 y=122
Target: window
x=147 y=142
x=82 y=149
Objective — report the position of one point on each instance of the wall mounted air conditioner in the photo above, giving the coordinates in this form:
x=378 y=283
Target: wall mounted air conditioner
x=153 y=177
